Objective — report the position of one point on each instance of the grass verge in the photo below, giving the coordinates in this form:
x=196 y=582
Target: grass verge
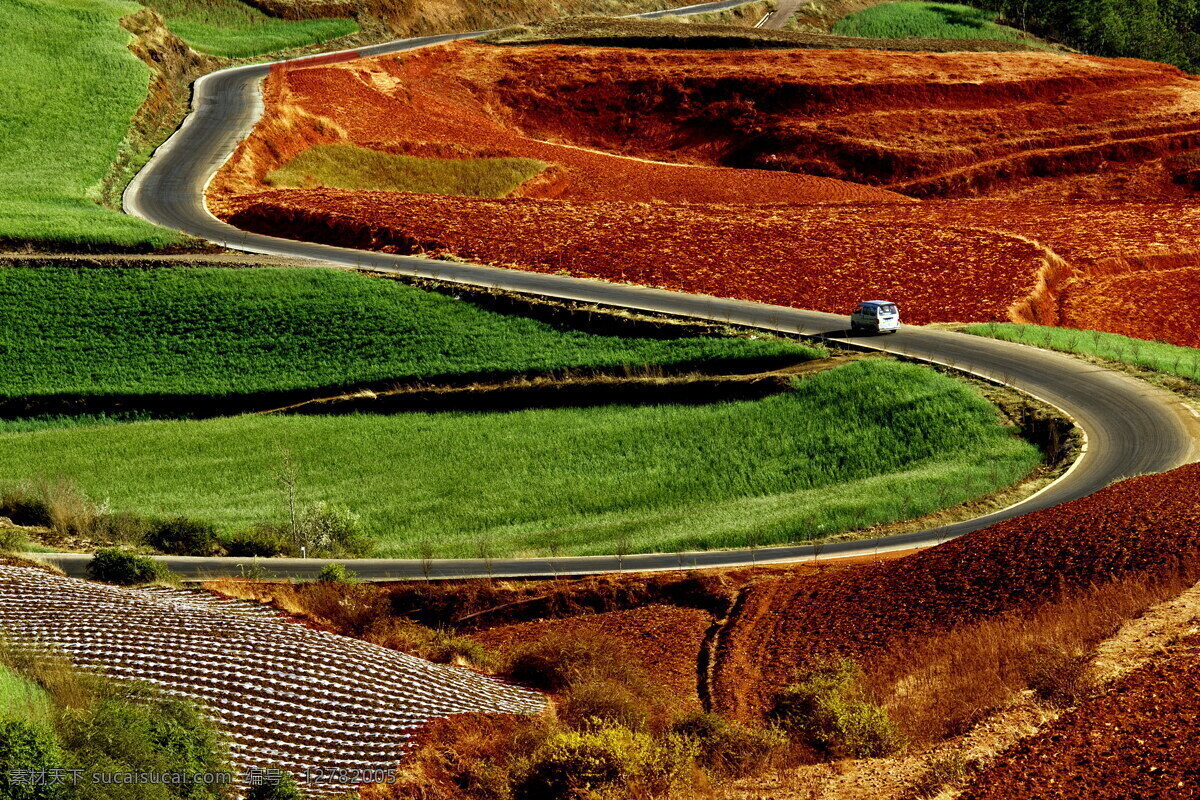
x=1168 y=359
x=68 y=89
x=864 y=444
x=236 y=30
x=341 y=166
x=904 y=19
x=220 y=332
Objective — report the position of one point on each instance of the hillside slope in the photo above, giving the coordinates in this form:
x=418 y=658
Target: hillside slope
x=287 y=696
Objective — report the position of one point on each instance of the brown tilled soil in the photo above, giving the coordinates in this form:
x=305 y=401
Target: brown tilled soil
x=1137 y=740
x=1145 y=526
x=645 y=184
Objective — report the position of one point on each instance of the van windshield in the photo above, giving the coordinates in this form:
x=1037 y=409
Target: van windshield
x=888 y=309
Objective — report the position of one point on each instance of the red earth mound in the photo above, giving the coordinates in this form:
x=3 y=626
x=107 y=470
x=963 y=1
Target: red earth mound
x=773 y=236
x=1137 y=740
x=1144 y=526
x=663 y=640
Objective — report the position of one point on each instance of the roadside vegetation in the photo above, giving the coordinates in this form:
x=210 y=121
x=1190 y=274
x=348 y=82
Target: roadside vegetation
x=54 y=717
x=221 y=332
x=1168 y=359
x=925 y=20
x=235 y=29
x=68 y=89
x=864 y=444
x=340 y=166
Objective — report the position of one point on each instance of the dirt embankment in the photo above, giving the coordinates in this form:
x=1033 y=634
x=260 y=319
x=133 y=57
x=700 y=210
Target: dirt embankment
x=1142 y=527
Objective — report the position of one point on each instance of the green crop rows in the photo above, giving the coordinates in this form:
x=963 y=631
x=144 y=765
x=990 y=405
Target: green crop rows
x=926 y=21
x=1169 y=359
x=867 y=443
x=203 y=332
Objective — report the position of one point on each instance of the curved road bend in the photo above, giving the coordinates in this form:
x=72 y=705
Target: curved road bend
x=1130 y=427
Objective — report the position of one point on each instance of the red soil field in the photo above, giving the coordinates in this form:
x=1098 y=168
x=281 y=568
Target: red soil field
x=1144 y=526
x=1136 y=740
x=929 y=124
x=664 y=640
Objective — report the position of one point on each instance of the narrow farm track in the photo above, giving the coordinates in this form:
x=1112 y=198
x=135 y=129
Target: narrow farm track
x=1131 y=427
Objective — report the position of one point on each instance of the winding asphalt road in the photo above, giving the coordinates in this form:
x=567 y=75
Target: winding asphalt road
x=1130 y=427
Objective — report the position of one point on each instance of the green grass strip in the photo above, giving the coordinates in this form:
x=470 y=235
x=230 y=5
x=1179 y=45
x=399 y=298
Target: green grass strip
x=205 y=331
x=870 y=442
x=234 y=29
x=1169 y=359
x=926 y=21
x=68 y=90
x=22 y=699
x=339 y=166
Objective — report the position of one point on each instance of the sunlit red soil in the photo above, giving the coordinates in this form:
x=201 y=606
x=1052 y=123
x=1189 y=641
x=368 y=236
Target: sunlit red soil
x=1142 y=527
x=1136 y=740
x=1092 y=131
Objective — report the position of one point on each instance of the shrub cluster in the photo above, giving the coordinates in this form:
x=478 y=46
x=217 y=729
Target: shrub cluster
x=321 y=529
x=112 y=565
x=93 y=725
x=728 y=749
x=827 y=710
x=613 y=734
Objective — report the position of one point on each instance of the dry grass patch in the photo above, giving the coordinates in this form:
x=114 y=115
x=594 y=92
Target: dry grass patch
x=943 y=685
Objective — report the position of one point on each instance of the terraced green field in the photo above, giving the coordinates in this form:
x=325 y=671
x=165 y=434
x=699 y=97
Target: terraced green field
x=867 y=443
x=68 y=90
x=235 y=29
x=200 y=332
x=924 y=20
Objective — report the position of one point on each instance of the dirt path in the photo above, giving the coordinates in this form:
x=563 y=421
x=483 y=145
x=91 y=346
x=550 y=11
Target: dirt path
x=780 y=16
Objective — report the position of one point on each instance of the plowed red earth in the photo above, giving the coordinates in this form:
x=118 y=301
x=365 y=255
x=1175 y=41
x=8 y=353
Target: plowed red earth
x=1143 y=526
x=1138 y=740
x=663 y=640
x=997 y=123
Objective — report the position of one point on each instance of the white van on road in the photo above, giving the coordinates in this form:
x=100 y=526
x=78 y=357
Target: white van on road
x=880 y=316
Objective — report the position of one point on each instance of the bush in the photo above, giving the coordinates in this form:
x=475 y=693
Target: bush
x=140 y=730
x=13 y=540
x=184 y=537
x=122 y=528
x=603 y=703
x=285 y=789
x=568 y=765
x=24 y=508
x=726 y=748
x=337 y=573
x=826 y=711
x=558 y=660
x=446 y=647
x=1057 y=676
x=330 y=531
x=111 y=565
x=941 y=771
x=262 y=541
x=26 y=746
